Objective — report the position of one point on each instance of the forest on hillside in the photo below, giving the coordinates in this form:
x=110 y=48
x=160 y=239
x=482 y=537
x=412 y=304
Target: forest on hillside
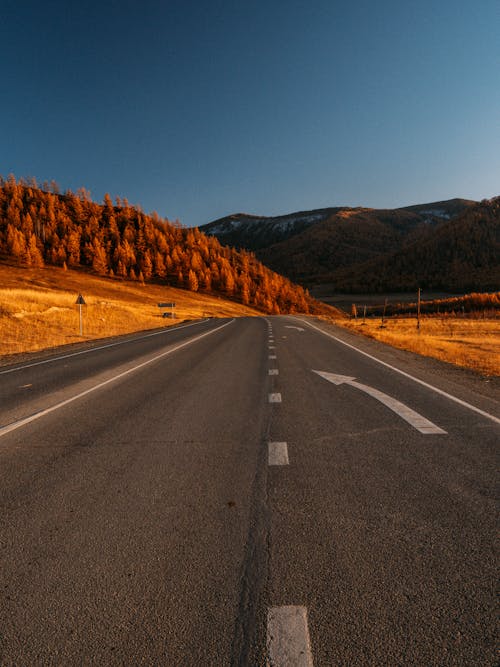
x=41 y=225
x=461 y=254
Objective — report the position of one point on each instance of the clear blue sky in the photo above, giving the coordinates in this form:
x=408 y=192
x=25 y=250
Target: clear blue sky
x=198 y=109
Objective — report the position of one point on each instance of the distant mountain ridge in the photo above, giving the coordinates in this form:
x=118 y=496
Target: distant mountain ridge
x=253 y=232
x=343 y=245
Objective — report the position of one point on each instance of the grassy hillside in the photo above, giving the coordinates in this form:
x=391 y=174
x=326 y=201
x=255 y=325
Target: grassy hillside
x=38 y=311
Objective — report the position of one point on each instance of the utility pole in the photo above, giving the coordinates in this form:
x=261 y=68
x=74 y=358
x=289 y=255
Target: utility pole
x=418 y=310
x=382 y=326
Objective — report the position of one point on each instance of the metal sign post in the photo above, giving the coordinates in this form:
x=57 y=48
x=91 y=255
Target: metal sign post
x=80 y=301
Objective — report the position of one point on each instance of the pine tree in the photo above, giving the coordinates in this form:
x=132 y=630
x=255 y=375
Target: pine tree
x=36 y=259
x=192 y=281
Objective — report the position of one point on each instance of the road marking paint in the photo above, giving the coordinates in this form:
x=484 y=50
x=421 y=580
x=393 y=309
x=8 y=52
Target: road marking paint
x=288 y=643
x=273 y=371
x=272 y=347
x=22 y=422
x=414 y=418
x=278 y=454
x=101 y=347
x=287 y=326
x=272 y=356
x=411 y=377
x=275 y=398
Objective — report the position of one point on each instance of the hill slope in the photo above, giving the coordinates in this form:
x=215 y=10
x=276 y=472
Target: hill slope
x=38 y=310
x=39 y=227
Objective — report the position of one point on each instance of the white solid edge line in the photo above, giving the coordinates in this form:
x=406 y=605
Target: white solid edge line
x=411 y=377
x=22 y=422
x=278 y=454
x=101 y=347
x=288 y=643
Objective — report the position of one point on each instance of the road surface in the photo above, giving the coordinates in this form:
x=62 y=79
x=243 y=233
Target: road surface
x=260 y=491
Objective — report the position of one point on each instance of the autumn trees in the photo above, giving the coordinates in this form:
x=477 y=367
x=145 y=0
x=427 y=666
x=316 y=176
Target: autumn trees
x=39 y=225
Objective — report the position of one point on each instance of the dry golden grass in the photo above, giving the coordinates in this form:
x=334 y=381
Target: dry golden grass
x=38 y=311
x=472 y=343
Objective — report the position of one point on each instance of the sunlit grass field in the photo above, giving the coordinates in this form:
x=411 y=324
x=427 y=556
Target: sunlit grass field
x=468 y=342
x=38 y=309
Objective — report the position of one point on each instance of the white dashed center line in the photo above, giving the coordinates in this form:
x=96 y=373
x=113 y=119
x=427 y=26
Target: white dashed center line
x=288 y=643
x=278 y=454
x=275 y=398
x=272 y=356
x=273 y=371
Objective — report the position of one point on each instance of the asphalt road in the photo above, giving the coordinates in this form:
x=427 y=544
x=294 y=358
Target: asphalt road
x=202 y=496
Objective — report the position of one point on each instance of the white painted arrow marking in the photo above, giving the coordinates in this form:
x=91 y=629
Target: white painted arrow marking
x=414 y=418
x=287 y=326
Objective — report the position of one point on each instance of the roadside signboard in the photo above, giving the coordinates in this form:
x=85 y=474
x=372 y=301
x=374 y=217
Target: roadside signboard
x=171 y=305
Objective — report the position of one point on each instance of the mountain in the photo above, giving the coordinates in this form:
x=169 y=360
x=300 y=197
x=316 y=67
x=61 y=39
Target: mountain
x=254 y=232
x=39 y=227
x=342 y=246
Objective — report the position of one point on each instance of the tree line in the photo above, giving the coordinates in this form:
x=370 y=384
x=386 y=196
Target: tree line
x=476 y=304
x=41 y=225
